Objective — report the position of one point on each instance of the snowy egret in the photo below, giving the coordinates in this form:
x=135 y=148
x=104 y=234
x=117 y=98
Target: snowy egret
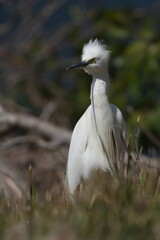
x=98 y=138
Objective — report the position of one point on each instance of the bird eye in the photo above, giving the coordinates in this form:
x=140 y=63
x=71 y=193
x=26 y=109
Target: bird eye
x=92 y=60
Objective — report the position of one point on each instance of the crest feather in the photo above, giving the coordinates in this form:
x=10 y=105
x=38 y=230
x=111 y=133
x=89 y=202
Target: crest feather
x=95 y=48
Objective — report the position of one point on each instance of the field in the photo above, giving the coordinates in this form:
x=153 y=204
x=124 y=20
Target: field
x=106 y=209
x=40 y=103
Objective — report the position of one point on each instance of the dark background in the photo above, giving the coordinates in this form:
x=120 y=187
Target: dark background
x=40 y=103
x=38 y=40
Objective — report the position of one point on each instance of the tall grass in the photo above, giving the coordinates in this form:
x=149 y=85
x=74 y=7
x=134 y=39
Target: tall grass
x=106 y=209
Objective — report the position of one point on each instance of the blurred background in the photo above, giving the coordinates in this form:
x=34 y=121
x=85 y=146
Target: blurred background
x=38 y=40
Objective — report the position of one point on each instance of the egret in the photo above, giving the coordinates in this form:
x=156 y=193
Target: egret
x=98 y=138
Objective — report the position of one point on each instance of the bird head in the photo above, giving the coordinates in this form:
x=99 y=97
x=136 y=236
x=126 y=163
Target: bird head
x=94 y=58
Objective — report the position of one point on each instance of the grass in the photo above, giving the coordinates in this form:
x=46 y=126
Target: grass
x=123 y=209
x=127 y=209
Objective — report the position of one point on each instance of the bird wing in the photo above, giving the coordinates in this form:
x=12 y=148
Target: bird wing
x=113 y=142
x=118 y=137
x=74 y=166
x=119 y=122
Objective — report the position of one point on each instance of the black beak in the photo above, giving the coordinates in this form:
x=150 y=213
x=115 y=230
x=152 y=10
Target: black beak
x=81 y=64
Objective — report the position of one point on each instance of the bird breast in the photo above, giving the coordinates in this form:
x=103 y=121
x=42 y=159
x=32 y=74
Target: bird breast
x=99 y=93
x=98 y=129
x=101 y=106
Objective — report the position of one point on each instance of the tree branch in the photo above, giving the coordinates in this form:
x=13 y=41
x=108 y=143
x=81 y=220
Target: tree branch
x=29 y=122
x=49 y=145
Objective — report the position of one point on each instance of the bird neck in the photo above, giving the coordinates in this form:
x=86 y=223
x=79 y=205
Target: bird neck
x=99 y=98
x=101 y=79
x=103 y=75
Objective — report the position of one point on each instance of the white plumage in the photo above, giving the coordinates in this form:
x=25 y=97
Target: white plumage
x=98 y=138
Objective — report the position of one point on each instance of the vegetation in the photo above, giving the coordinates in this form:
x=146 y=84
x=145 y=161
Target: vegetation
x=133 y=38
x=34 y=62
x=128 y=209
x=40 y=101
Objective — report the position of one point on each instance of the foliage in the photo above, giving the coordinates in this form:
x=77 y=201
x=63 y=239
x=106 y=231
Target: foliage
x=133 y=38
x=34 y=61
x=128 y=209
x=34 y=79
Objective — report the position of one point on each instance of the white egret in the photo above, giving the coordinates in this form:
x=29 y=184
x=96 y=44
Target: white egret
x=98 y=138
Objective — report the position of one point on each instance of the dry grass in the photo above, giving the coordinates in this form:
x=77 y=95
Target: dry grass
x=33 y=205
x=107 y=209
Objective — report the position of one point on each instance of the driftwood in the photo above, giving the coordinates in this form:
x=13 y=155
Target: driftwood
x=48 y=145
x=9 y=187
x=17 y=153
x=29 y=122
x=48 y=166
